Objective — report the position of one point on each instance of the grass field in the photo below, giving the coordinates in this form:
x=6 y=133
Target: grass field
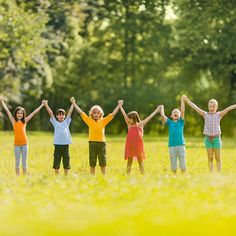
x=197 y=203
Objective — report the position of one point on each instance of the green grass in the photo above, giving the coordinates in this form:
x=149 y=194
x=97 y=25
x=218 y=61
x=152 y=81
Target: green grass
x=197 y=203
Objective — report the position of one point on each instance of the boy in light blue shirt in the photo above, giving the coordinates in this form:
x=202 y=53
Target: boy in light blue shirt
x=176 y=137
x=62 y=137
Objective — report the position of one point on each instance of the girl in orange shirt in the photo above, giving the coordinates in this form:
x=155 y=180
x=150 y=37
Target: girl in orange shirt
x=19 y=122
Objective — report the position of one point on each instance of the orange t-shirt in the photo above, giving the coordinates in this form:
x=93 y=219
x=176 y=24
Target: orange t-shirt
x=20 y=133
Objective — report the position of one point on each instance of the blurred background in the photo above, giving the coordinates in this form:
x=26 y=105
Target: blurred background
x=146 y=52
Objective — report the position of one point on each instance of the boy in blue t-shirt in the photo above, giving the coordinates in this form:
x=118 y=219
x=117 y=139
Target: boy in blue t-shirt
x=62 y=137
x=176 y=137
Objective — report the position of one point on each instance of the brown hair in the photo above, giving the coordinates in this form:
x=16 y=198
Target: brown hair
x=135 y=116
x=24 y=114
x=60 y=111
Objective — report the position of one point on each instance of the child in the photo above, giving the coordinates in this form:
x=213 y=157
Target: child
x=97 y=145
x=62 y=137
x=19 y=122
x=176 y=142
x=212 y=130
x=134 y=148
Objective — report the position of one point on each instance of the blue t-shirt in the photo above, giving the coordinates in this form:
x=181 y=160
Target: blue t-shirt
x=61 y=131
x=176 y=132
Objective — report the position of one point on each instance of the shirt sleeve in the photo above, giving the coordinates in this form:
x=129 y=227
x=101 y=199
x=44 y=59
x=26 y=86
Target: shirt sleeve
x=107 y=119
x=53 y=120
x=68 y=120
x=85 y=118
x=168 y=122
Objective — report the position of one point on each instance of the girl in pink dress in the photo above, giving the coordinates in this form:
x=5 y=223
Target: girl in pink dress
x=134 y=148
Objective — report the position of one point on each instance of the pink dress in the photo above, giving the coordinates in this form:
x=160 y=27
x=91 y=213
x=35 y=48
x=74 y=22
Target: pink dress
x=134 y=143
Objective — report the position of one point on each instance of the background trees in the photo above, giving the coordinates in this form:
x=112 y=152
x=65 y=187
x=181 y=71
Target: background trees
x=146 y=52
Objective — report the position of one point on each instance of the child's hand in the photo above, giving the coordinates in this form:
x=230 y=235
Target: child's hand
x=184 y=97
x=45 y=102
x=1 y=98
x=120 y=102
x=159 y=108
x=72 y=100
x=162 y=110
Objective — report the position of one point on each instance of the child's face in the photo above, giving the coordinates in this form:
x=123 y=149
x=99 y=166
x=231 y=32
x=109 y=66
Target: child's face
x=96 y=114
x=19 y=114
x=175 y=115
x=212 y=107
x=130 y=121
x=60 y=117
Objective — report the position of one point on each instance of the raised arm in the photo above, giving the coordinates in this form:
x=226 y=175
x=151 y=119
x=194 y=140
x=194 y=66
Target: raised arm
x=182 y=107
x=163 y=117
x=120 y=103
x=45 y=102
x=76 y=106
x=7 y=110
x=124 y=115
x=226 y=110
x=32 y=114
x=145 y=121
x=191 y=104
x=71 y=108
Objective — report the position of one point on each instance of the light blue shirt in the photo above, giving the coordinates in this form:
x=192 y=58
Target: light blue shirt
x=176 y=132
x=61 y=131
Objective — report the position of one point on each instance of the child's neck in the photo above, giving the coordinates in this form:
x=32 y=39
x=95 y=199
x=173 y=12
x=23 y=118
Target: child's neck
x=175 y=120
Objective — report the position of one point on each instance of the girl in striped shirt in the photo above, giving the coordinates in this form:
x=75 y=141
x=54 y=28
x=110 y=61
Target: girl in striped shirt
x=212 y=130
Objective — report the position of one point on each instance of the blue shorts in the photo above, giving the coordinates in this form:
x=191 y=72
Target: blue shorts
x=177 y=152
x=213 y=142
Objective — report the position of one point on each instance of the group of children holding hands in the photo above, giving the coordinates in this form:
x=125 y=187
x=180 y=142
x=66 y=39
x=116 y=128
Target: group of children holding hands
x=134 y=147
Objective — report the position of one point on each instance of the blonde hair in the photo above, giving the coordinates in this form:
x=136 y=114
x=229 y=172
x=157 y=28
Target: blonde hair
x=176 y=109
x=213 y=101
x=96 y=107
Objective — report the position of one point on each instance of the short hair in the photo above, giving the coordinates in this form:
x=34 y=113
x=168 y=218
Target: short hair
x=176 y=109
x=213 y=101
x=96 y=107
x=60 y=111
x=135 y=116
x=24 y=113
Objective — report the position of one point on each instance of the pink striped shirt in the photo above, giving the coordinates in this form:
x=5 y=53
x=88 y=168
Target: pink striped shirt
x=212 y=124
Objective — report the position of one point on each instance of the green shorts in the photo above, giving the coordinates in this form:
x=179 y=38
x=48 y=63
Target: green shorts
x=214 y=142
x=97 y=150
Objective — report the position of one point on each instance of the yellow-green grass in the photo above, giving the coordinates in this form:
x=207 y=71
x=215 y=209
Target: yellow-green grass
x=197 y=203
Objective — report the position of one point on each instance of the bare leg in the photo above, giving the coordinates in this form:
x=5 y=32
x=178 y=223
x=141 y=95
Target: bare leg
x=103 y=170
x=210 y=159
x=56 y=171
x=92 y=170
x=141 y=167
x=129 y=164
x=18 y=171
x=218 y=159
x=66 y=171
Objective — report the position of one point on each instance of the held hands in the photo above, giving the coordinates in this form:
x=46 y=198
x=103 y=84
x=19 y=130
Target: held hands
x=45 y=102
x=72 y=100
x=162 y=110
x=184 y=97
x=159 y=108
x=1 y=98
x=120 y=103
